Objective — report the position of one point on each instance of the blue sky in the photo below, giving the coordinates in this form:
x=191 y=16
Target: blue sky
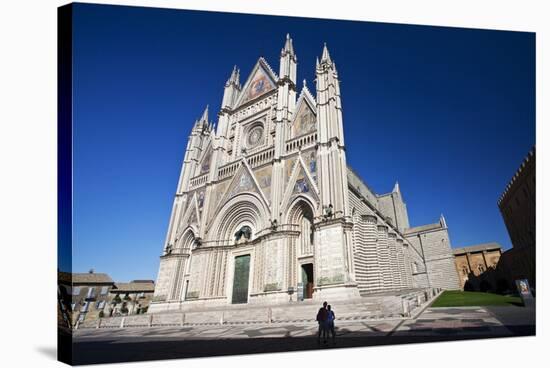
x=448 y=112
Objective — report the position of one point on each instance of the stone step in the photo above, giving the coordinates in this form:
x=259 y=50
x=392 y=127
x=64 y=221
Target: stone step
x=374 y=306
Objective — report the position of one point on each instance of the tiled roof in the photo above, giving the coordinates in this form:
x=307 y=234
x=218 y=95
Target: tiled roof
x=477 y=248
x=133 y=287
x=85 y=278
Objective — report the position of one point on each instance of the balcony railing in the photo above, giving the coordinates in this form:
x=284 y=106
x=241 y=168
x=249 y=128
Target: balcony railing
x=304 y=141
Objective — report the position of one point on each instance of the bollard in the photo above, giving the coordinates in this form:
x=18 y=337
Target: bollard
x=182 y=319
x=221 y=319
x=418 y=301
x=269 y=315
x=151 y=320
x=98 y=323
x=122 y=322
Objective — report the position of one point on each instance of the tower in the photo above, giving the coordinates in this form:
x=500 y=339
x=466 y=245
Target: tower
x=334 y=241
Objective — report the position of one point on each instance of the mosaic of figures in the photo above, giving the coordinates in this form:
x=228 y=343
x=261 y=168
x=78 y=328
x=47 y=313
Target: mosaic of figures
x=205 y=165
x=289 y=166
x=200 y=199
x=305 y=121
x=217 y=195
x=264 y=179
x=310 y=159
x=259 y=85
x=244 y=183
x=302 y=184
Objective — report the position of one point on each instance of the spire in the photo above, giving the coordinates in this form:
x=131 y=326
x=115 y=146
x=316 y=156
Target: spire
x=442 y=221
x=326 y=56
x=396 y=187
x=234 y=78
x=287 y=63
x=288 y=46
x=202 y=122
x=204 y=117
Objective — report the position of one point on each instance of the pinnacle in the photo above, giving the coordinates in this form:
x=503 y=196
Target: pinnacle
x=288 y=45
x=204 y=117
x=326 y=55
x=396 y=187
x=234 y=78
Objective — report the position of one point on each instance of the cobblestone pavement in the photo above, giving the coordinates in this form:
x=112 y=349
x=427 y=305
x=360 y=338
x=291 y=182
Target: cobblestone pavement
x=434 y=324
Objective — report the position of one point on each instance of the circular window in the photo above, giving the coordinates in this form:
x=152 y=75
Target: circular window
x=255 y=136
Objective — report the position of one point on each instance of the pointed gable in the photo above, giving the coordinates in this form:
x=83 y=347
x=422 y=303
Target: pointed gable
x=305 y=118
x=300 y=183
x=261 y=80
x=243 y=181
x=191 y=216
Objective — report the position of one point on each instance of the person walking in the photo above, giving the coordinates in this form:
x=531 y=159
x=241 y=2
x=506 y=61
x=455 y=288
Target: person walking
x=330 y=323
x=322 y=319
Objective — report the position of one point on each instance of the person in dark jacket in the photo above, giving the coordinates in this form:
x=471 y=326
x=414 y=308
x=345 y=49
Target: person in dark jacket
x=322 y=319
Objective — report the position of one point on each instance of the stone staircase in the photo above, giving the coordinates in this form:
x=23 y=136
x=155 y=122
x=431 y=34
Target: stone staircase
x=389 y=305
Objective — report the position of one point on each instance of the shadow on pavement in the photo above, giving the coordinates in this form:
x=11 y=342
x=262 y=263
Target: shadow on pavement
x=111 y=351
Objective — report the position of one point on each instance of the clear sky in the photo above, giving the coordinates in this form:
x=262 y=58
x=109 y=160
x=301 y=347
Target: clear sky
x=448 y=112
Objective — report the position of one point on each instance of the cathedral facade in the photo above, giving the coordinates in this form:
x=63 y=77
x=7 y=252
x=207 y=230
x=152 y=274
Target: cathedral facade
x=267 y=205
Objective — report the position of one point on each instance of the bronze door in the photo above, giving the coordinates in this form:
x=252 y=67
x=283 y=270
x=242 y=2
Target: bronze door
x=240 y=279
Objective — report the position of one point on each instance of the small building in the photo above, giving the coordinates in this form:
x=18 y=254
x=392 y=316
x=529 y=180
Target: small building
x=476 y=266
x=131 y=297
x=517 y=207
x=83 y=296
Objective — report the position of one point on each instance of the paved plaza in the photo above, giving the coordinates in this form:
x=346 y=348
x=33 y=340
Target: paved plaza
x=434 y=324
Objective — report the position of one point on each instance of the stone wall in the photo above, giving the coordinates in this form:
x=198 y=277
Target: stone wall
x=382 y=257
x=439 y=259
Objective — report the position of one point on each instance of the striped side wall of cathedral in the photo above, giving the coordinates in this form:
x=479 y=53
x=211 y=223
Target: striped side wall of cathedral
x=383 y=259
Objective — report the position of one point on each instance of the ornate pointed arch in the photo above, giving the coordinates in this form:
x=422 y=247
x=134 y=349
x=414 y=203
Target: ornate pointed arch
x=299 y=207
x=245 y=209
x=187 y=238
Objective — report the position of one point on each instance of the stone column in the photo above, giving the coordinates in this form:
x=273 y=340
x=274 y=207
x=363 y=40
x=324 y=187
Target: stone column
x=401 y=263
x=384 y=257
x=394 y=261
x=368 y=245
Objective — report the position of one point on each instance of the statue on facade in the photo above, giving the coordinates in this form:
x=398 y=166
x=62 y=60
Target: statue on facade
x=328 y=211
x=245 y=231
